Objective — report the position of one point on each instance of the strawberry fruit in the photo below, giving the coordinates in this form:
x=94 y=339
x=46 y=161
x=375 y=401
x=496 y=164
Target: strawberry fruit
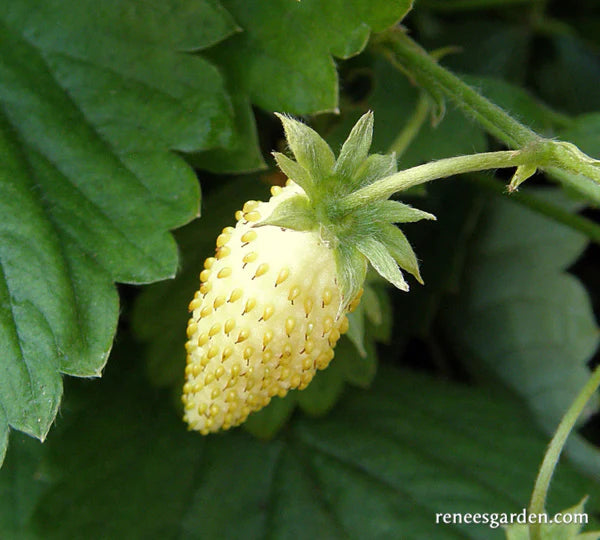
x=273 y=300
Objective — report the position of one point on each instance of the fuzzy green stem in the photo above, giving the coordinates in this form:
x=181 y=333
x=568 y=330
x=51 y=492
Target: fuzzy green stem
x=537 y=504
x=384 y=188
x=407 y=54
x=568 y=160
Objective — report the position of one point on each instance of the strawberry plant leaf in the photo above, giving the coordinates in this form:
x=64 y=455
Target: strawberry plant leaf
x=515 y=279
x=291 y=44
x=293 y=169
x=295 y=213
x=355 y=149
x=381 y=464
x=93 y=98
x=242 y=152
x=263 y=66
x=4 y=430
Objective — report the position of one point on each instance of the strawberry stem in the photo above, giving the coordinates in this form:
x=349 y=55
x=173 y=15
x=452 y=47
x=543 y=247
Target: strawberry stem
x=542 y=483
x=408 y=55
x=400 y=181
x=568 y=161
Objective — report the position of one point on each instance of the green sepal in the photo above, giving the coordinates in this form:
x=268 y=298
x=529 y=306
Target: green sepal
x=294 y=171
x=351 y=270
x=359 y=236
x=309 y=149
x=522 y=173
x=399 y=248
x=295 y=213
x=356 y=148
x=397 y=212
x=375 y=167
x=382 y=261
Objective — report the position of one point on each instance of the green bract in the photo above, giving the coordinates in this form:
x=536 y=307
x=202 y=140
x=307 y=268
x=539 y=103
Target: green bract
x=359 y=236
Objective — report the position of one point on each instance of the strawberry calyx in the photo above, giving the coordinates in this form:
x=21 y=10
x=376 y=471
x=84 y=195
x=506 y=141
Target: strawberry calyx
x=358 y=236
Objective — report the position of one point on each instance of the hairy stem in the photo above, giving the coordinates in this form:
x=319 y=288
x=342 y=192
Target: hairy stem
x=569 y=164
x=537 y=504
x=406 y=53
x=384 y=188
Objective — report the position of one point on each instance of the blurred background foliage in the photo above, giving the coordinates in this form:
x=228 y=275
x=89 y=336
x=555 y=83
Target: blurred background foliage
x=439 y=400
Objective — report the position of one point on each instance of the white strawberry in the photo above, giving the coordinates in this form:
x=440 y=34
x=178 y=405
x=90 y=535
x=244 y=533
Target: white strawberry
x=272 y=301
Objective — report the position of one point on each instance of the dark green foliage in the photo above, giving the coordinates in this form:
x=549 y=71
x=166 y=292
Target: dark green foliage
x=114 y=116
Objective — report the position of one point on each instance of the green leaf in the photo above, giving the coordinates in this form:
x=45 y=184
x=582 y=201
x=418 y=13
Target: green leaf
x=519 y=314
x=283 y=58
x=382 y=464
x=243 y=153
x=4 y=430
x=372 y=306
x=93 y=98
x=579 y=68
